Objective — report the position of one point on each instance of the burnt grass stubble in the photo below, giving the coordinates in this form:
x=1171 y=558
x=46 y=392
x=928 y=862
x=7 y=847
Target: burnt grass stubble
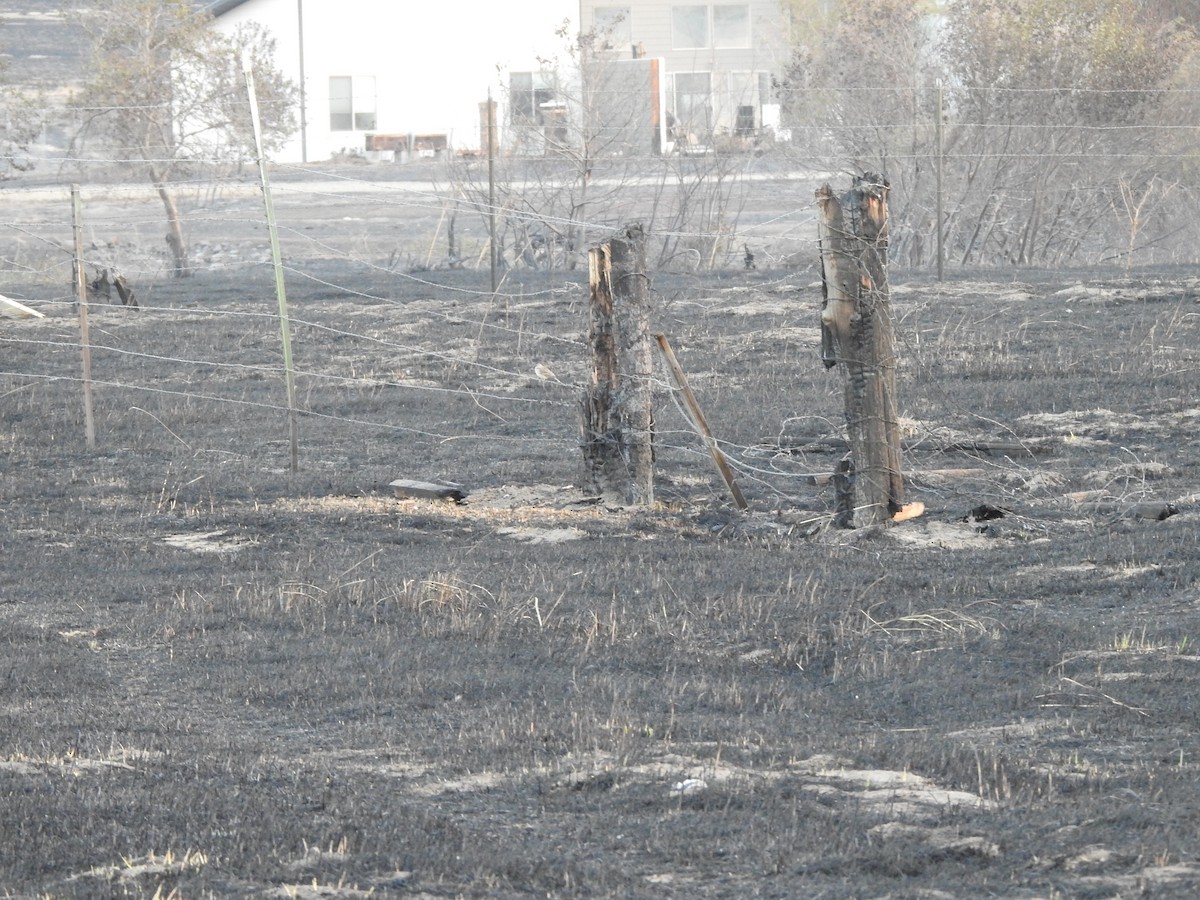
x=401 y=696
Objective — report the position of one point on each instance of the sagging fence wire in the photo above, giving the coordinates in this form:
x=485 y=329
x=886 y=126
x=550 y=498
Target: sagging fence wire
x=669 y=439
x=519 y=218
x=563 y=444
x=342 y=241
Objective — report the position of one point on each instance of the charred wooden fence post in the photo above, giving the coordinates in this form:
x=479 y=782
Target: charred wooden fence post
x=617 y=410
x=857 y=335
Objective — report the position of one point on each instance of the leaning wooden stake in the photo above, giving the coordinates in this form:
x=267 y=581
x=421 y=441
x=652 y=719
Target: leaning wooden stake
x=89 y=420
x=696 y=415
x=857 y=335
x=617 y=409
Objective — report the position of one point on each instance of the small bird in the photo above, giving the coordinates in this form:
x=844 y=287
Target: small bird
x=544 y=373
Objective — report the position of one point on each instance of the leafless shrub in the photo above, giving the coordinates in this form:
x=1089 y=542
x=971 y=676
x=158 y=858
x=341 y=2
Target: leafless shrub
x=580 y=153
x=1057 y=117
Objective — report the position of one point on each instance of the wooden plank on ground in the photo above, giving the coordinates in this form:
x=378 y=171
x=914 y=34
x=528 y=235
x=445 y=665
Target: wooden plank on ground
x=406 y=489
x=1153 y=510
x=14 y=310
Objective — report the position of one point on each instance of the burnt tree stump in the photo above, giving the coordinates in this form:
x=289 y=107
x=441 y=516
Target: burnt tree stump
x=617 y=408
x=124 y=291
x=858 y=336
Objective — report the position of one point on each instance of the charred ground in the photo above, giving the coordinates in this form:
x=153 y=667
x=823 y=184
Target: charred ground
x=221 y=678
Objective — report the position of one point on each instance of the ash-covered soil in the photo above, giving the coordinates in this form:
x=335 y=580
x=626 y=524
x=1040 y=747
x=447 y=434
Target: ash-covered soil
x=218 y=677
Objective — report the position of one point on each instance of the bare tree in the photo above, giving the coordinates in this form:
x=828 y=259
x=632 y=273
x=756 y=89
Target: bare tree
x=166 y=88
x=1172 y=12
x=1053 y=114
x=586 y=147
x=19 y=127
x=859 y=95
x=1090 y=75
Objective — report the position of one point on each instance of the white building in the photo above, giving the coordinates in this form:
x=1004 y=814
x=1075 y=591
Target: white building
x=414 y=75
x=416 y=72
x=719 y=57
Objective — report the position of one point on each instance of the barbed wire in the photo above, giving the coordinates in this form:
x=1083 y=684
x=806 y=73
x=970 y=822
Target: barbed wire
x=622 y=91
x=309 y=412
x=500 y=366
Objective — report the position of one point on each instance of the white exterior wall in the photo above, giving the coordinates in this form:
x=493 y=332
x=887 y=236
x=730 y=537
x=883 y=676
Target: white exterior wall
x=433 y=62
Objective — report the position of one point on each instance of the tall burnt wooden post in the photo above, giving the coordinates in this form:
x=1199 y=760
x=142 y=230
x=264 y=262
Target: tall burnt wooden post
x=617 y=411
x=858 y=336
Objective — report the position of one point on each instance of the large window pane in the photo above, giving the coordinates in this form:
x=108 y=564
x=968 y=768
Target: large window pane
x=364 y=103
x=520 y=96
x=742 y=88
x=693 y=103
x=689 y=27
x=341 y=103
x=731 y=25
x=741 y=104
x=528 y=94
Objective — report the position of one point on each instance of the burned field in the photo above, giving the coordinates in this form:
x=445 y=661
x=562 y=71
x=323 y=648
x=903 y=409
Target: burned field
x=219 y=677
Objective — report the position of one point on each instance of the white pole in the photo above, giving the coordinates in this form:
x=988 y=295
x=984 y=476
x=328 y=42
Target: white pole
x=491 y=137
x=276 y=259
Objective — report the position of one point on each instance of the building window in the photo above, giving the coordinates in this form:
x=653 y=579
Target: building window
x=352 y=103
x=731 y=25
x=692 y=98
x=722 y=25
x=689 y=27
x=612 y=27
x=530 y=95
x=743 y=87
